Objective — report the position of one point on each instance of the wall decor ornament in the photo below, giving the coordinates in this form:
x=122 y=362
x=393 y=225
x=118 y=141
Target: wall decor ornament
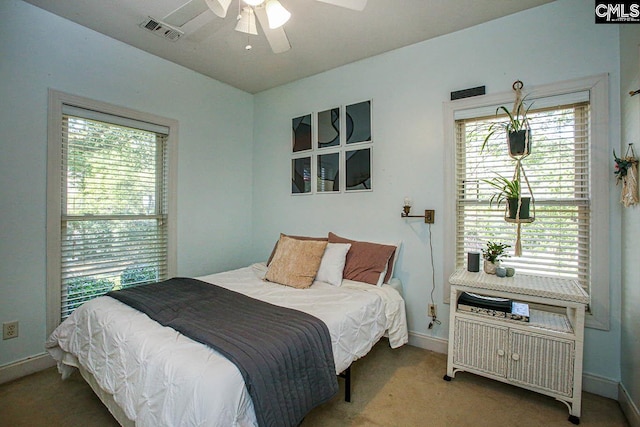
x=358 y=169
x=332 y=150
x=328 y=176
x=627 y=173
x=358 y=118
x=329 y=128
x=302 y=133
x=301 y=175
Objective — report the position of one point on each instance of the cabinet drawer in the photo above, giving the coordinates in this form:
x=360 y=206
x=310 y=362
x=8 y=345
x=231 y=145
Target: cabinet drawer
x=480 y=346
x=542 y=362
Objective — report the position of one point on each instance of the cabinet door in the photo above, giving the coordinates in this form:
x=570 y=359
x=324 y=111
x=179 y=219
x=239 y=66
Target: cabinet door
x=542 y=362
x=480 y=346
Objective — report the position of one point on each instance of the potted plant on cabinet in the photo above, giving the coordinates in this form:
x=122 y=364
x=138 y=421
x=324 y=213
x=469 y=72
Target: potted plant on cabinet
x=492 y=255
x=517 y=129
x=509 y=191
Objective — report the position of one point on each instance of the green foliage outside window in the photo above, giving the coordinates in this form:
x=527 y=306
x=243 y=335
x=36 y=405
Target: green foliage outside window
x=139 y=275
x=83 y=289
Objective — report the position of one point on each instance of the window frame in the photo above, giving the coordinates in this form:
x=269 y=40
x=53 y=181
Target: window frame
x=54 y=187
x=599 y=151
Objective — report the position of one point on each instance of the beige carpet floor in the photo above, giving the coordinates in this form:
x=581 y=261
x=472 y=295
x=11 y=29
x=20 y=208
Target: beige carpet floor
x=402 y=387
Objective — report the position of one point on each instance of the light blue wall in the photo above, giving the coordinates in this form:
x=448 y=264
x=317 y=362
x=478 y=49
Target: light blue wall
x=38 y=51
x=231 y=141
x=552 y=43
x=630 y=336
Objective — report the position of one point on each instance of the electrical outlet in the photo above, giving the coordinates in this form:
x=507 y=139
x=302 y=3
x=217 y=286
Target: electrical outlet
x=432 y=310
x=429 y=216
x=10 y=330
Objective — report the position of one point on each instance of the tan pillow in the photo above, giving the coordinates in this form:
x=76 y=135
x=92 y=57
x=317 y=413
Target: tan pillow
x=366 y=261
x=273 y=251
x=296 y=262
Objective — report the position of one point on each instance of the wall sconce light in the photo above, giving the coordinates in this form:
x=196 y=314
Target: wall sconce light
x=407 y=206
x=429 y=214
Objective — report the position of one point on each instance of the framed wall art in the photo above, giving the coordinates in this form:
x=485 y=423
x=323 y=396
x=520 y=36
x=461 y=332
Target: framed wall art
x=302 y=133
x=328 y=176
x=358 y=169
x=329 y=128
x=331 y=150
x=301 y=175
x=358 y=122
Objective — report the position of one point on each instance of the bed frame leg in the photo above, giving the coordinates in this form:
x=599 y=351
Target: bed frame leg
x=347 y=384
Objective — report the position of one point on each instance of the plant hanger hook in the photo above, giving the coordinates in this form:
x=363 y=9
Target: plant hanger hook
x=517 y=103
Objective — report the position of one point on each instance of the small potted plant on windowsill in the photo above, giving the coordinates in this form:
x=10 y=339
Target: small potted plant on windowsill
x=509 y=191
x=517 y=129
x=492 y=255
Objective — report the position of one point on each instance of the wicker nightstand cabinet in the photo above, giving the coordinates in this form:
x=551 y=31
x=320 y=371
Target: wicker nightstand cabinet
x=543 y=355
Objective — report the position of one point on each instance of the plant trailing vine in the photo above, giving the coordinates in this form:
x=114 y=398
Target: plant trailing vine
x=505 y=189
x=517 y=121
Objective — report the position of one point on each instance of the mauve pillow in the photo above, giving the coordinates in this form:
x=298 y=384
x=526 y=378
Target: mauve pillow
x=366 y=261
x=295 y=262
x=273 y=251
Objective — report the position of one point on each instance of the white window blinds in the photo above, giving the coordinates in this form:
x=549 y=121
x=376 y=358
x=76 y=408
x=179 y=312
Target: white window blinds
x=114 y=205
x=557 y=243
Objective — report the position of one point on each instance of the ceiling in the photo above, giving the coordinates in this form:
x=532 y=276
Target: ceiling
x=322 y=36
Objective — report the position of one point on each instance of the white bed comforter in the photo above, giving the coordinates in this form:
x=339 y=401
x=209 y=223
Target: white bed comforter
x=159 y=377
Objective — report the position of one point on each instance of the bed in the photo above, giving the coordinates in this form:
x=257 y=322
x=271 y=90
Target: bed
x=151 y=375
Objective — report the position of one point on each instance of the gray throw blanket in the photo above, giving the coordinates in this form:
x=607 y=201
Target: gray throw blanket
x=284 y=355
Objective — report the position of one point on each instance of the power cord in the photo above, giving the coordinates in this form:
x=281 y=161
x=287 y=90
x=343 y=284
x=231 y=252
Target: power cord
x=434 y=318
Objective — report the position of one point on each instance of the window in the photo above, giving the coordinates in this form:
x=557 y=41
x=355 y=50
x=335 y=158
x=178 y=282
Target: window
x=569 y=202
x=557 y=242
x=110 y=209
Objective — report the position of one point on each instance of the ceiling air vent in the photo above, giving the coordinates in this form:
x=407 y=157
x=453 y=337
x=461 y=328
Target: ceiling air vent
x=162 y=29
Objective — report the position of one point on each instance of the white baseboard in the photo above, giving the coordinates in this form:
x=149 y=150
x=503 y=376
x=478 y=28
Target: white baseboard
x=590 y=383
x=25 y=367
x=601 y=386
x=628 y=407
x=439 y=345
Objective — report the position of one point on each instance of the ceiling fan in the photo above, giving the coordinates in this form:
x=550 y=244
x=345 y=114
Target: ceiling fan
x=270 y=13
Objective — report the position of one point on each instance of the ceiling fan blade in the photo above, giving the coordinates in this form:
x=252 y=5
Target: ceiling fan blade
x=349 y=4
x=219 y=7
x=277 y=38
x=186 y=13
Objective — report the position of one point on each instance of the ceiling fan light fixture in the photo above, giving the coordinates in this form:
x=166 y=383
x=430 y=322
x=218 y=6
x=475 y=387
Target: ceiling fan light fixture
x=247 y=22
x=219 y=7
x=277 y=14
x=253 y=2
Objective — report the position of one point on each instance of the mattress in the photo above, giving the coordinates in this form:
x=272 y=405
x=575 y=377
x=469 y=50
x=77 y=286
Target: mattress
x=158 y=377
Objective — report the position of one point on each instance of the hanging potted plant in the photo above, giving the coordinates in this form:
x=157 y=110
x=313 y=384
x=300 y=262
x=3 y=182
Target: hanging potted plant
x=509 y=191
x=516 y=128
x=492 y=255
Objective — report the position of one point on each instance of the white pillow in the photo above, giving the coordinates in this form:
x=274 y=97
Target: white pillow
x=332 y=264
x=393 y=264
x=395 y=259
x=382 y=276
